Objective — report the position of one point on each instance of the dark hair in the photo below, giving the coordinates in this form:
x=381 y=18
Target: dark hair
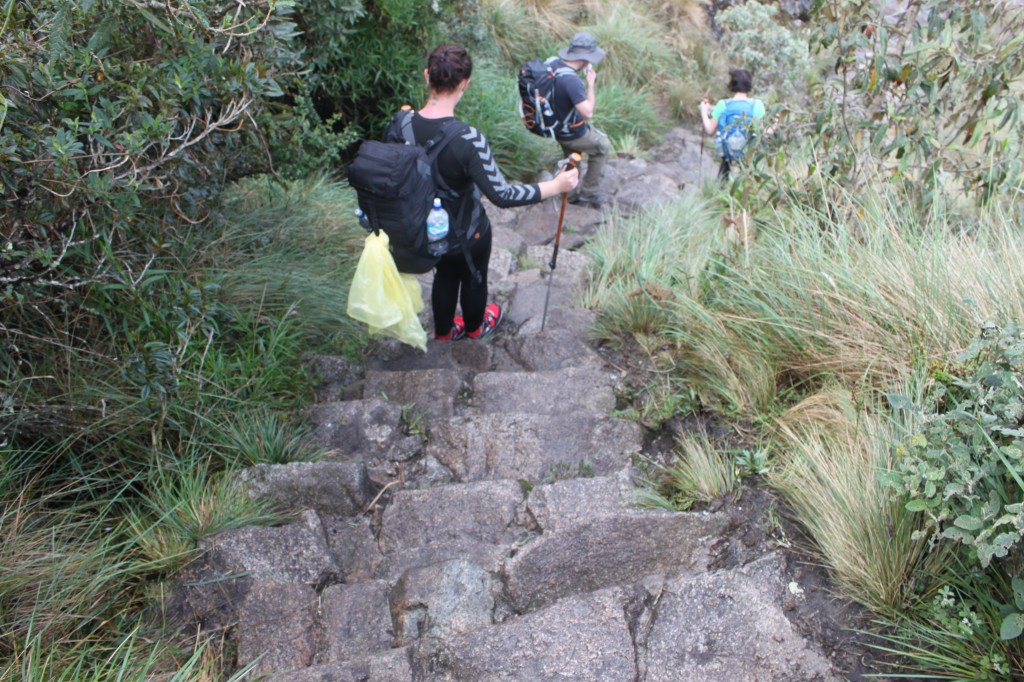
x=448 y=66
x=740 y=80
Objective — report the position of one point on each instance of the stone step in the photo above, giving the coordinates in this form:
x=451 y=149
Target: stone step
x=610 y=549
x=392 y=355
x=538 y=224
x=565 y=503
x=277 y=626
x=346 y=637
x=433 y=603
x=394 y=665
x=584 y=639
x=573 y=390
x=563 y=343
x=484 y=512
x=431 y=393
x=743 y=634
x=293 y=553
x=339 y=488
x=371 y=429
x=533 y=447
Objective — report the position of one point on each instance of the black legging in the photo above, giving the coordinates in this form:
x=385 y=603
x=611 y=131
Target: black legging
x=453 y=284
x=723 y=169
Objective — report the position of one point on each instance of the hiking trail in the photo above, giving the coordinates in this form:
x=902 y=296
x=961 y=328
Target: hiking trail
x=476 y=520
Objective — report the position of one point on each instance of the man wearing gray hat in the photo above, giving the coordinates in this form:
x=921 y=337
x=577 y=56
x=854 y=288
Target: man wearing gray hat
x=575 y=105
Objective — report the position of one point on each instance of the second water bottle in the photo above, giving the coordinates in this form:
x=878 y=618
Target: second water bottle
x=437 y=230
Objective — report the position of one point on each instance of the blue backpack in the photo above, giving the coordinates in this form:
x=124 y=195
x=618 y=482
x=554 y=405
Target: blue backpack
x=734 y=128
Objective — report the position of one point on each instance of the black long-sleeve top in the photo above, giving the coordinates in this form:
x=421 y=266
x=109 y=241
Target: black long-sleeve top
x=467 y=161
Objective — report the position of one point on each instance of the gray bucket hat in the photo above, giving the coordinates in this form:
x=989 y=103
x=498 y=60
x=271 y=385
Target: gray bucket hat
x=583 y=46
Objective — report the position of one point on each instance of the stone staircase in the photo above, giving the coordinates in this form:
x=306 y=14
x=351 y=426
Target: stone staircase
x=475 y=519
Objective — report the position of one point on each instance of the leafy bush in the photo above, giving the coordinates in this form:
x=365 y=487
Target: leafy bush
x=964 y=470
x=753 y=39
x=927 y=98
x=366 y=57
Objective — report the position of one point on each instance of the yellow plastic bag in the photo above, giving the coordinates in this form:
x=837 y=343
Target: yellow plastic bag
x=383 y=298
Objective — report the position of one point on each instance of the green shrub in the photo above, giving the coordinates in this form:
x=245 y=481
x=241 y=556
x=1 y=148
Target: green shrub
x=964 y=470
x=753 y=39
x=927 y=99
x=367 y=56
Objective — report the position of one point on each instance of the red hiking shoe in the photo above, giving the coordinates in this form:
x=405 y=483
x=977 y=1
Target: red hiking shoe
x=493 y=315
x=457 y=331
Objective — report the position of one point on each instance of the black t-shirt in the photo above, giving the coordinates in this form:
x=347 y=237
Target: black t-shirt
x=569 y=91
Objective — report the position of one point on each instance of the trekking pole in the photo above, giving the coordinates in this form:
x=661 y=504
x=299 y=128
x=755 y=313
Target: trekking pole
x=571 y=162
x=700 y=164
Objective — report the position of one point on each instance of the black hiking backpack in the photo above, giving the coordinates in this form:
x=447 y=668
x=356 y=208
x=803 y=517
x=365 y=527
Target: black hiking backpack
x=396 y=181
x=536 y=89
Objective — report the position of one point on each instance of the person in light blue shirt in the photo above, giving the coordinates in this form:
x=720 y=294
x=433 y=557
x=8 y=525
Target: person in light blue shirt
x=729 y=121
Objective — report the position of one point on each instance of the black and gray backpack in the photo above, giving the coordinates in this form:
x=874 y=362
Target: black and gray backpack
x=396 y=181
x=536 y=89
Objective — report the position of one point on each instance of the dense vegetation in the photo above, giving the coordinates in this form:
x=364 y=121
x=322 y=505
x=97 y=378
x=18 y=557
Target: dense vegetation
x=174 y=237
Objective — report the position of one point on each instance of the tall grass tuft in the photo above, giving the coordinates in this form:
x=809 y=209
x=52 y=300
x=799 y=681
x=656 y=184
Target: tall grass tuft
x=530 y=30
x=291 y=247
x=863 y=295
x=262 y=437
x=833 y=457
x=192 y=498
x=700 y=474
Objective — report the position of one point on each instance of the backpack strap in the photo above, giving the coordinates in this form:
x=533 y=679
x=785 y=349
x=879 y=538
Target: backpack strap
x=558 y=72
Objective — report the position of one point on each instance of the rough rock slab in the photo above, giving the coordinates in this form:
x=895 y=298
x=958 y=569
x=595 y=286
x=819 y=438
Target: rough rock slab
x=353 y=546
x=533 y=447
x=480 y=512
x=358 y=427
x=277 y=625
x=571 y=502
x=432 y=392
x=609 y=550
x=489 y=557
x=339 y=378
x=441 y=600
x=574 y=390
x=295 y=553
x=537 y=224
x=392 y=355
x=503 y=222
x=743 y=634
x=356 y=621
x=654 y=191
x=392 y=666
x=563 y=343
x=501 y=266
x=571 y=267
x=581 y=639
x=526 y=311
x=329 y=487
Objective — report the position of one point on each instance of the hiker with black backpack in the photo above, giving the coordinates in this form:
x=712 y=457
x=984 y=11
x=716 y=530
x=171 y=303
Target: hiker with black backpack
x=554 y=103
x=731 y=119
x=462 y=166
